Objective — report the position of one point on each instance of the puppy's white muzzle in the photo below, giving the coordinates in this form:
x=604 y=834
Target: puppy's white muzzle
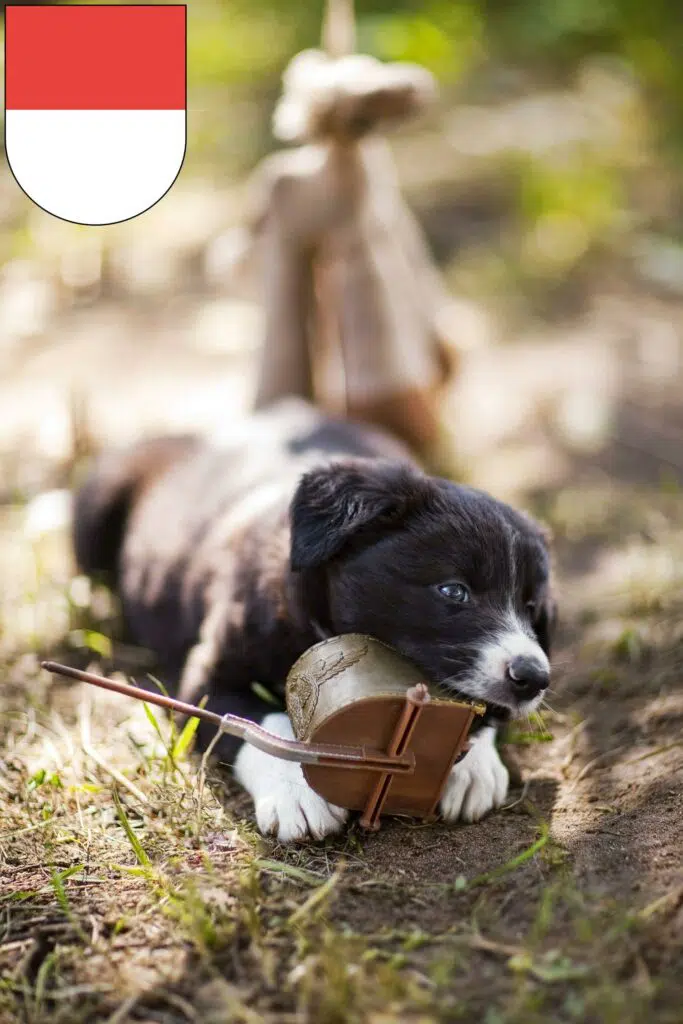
x=512 y=670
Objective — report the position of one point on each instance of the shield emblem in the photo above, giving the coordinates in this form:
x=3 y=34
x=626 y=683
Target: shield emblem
x=95 y=106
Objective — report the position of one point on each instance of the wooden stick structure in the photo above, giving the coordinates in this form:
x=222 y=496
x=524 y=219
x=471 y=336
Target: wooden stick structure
x=328 y=755
x=416 y=698
x=339 y=28
x=357 y=317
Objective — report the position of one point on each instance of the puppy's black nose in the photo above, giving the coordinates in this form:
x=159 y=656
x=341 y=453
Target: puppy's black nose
x=528 y=677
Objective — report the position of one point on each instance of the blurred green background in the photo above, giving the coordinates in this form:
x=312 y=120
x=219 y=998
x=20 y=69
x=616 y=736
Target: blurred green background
x=547 y=180
x=560 y=131
x=559 y=135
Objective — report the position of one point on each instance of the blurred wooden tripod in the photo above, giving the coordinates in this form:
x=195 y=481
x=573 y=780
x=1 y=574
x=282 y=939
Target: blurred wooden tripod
x=348 y=282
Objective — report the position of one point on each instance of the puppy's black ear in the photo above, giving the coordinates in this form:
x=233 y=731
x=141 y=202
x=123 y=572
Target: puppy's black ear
x=336 y=503
x=545 y=620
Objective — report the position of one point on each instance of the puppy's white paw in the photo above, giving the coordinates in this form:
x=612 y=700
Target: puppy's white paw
x=285 y=804
x=293 y=811
x=478 y=783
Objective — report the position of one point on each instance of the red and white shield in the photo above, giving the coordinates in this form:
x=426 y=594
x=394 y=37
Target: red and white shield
x=95 y=97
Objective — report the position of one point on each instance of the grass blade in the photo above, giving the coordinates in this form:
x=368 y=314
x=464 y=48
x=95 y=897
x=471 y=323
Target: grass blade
x=151 y=717
x=514 y=863
x=317 y=898
x=184 y=740
x=138 y=849
x=276 y=867
x=60 y=893
x=58 y=879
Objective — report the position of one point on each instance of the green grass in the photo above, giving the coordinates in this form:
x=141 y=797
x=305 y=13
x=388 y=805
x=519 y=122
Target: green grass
x=133 y=889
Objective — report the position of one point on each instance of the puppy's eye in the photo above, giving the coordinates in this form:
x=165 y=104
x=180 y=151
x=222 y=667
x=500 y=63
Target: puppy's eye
x=530 y=607
x=457 y=592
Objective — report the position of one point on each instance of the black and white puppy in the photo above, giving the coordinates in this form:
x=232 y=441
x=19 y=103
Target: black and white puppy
x=231 y=560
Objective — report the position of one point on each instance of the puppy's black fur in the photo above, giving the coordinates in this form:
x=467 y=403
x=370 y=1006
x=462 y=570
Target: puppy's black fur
x=232 y=560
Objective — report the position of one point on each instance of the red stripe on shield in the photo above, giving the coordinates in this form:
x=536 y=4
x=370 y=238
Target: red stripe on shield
x=95 y=57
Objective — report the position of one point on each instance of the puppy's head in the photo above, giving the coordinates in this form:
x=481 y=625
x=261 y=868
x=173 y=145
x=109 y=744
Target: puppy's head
x=456 y=581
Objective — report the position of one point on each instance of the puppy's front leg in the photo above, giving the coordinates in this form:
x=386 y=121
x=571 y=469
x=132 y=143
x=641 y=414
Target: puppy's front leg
x=285 y=804
x=477 y=783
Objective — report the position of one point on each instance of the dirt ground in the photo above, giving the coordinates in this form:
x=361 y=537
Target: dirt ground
x=132 y=888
